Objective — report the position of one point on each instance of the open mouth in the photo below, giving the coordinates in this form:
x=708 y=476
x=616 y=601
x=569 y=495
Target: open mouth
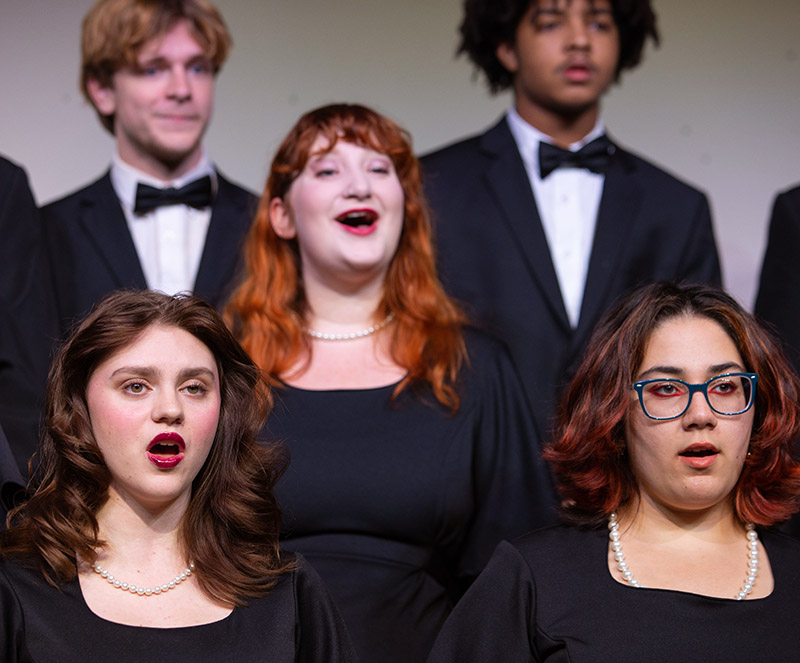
x=360 y=218
x=699 y=451
x=166 y=450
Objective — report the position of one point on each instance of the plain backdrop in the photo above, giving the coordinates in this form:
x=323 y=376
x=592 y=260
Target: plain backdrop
x=718 y=103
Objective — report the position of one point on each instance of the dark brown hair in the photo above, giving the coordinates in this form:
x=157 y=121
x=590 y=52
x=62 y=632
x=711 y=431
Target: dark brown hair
x=114 y=32
x=489 y=23
x=594 y=476
x=231 y=527
x=268 y=308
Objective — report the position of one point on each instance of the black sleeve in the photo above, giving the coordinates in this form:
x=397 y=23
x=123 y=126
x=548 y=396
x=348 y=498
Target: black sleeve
x=322 y=636
x=777 y=302
x=513 y=490
x=493 y=622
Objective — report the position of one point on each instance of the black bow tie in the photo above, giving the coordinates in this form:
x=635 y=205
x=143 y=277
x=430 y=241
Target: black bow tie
x=195 y=194
x=593 y=156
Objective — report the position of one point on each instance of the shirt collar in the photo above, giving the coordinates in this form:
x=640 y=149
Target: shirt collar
x=125 y=178
x=528 y=138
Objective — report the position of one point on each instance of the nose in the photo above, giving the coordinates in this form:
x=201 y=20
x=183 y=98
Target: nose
x=578 y=34
x=699 y=413
x=167 y=407
x=358 y=185
x=178 y=85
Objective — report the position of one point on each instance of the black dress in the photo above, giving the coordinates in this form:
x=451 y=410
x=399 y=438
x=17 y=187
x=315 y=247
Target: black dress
x=398 y=504
x=550 y=597
x=296 y=621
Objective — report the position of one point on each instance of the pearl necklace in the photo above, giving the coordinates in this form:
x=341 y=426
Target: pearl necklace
x=324 y=336
x=627 y=576
x=144 y=591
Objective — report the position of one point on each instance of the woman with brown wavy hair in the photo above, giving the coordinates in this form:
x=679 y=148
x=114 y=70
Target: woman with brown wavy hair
x=412 y=449
x=152 y=532
x=673 y=454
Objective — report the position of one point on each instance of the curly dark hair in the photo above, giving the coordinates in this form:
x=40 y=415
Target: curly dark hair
x=594 y=479
x=231 y=527
x=489 y=23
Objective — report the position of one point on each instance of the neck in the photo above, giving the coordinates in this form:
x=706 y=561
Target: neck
x=564 y=128
x=135 y=530
x=165 y=170
x=340 y=310
x=655 y=522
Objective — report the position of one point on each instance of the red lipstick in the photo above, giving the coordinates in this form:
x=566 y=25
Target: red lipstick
x=699 y=455
x=166 y=450
x=358 y=221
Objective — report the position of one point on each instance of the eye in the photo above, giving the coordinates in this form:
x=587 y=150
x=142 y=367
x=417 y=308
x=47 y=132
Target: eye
x=195 y=389
x=201 y=67
x=135 y=387
x=665 y=389
x=724 y=387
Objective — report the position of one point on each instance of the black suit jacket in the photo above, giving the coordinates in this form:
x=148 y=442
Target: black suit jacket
x=777 y=302
x=27 y=314
x=494 y=257
x=92 y=253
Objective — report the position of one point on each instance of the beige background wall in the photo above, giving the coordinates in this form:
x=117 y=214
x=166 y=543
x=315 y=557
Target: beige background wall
x=718 y=103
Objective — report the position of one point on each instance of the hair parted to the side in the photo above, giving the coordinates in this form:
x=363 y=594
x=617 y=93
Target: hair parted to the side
x=267 y=309
x=489 y=23
x=114 y=32
x=587 y=454
x=231 y=527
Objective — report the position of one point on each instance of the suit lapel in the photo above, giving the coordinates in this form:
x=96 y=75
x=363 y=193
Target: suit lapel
x=619 y=208
x=508 y=183
x=230 y=219
x=103 y=221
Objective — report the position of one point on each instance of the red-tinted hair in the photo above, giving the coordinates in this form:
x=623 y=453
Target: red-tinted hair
x=267 y=309
x=588 y=452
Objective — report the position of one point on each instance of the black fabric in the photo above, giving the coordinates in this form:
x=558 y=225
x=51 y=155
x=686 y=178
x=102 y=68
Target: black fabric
x=778 y=301
x=593 y=156
x=493 y=254
x=297 y=621
x=28 y=325
x=196 y=193
x=399 y=504
x=91 y=251
x=550 y=597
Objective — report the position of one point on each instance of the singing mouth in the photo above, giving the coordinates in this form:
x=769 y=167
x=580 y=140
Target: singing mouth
x=699 y=451
x=358 y=218
x=166 y=445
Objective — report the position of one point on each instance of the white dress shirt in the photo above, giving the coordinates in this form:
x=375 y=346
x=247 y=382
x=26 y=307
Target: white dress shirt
x=170 y=239
x=567 y=200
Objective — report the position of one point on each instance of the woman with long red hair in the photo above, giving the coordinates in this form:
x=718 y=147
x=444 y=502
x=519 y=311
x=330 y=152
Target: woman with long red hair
x=413 y=451
x=673 y=454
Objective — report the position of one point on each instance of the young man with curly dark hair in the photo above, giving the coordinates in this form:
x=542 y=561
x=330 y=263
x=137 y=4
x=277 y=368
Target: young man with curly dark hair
x=543 y=221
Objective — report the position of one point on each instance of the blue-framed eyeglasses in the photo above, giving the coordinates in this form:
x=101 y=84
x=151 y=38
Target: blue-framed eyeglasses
x=668 y=398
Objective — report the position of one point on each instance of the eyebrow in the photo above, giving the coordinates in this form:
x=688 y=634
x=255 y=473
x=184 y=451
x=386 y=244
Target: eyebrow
x=151 y=372
x=716 y=369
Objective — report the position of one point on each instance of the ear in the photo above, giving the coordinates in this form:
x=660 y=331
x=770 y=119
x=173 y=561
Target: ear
x=102 y=97
x=281 y=219
x=507 y=55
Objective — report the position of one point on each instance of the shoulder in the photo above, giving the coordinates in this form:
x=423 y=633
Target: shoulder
x=655 y=177
x=564 y=544
x=234 y=191
x=789 y=199
x=10 y=171
x=462 y=153
x=87 y=195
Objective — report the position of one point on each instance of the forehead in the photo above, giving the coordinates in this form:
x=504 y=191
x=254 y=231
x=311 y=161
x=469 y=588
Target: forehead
x=562 y=5
x=178 y=41
x=162 y=346
x=689 y=342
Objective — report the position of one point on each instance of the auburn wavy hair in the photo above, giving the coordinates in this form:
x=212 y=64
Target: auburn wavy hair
x=231 y=527
x=268 y=308
x=592 y=469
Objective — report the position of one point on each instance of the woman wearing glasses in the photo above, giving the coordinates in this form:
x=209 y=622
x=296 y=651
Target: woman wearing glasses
x=673 y=453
